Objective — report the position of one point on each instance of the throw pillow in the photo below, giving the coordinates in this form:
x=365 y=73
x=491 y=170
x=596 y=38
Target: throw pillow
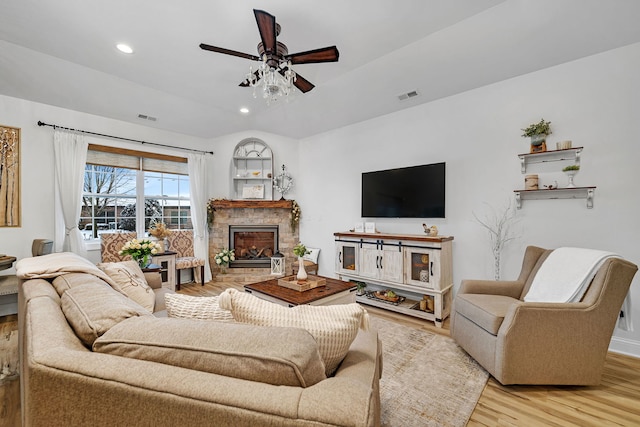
x=278 y=356
x=333 y=326
x=92 y=309
x=201 y=308
x=129 y=280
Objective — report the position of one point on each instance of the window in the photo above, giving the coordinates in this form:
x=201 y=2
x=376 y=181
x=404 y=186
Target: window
x=115 y=183
x=166 y=198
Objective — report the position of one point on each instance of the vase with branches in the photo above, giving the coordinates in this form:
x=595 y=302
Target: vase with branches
x=499 y=224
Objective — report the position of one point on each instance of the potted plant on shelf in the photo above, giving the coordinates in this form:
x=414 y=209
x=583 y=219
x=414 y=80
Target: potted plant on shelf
x=538 y=133
x=571 y=171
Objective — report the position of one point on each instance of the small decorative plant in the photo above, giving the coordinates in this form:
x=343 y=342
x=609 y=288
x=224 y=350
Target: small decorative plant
x=159 y=230
x=300 y=250
x=540 y=128
x=360 y=287
x=571 y=168
x=140 y=250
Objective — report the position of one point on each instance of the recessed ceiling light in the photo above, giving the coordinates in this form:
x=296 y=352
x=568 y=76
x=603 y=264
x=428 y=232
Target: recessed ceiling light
x=244 y=110
x=124 y=48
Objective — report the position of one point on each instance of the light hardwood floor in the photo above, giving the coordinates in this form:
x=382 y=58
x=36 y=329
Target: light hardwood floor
x=616 y=402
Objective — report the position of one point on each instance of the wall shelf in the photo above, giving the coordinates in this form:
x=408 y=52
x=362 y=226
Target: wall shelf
x=550 y=156
x=559 y=193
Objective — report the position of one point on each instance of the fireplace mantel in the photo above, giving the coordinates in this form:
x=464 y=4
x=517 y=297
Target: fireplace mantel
x=252 y=204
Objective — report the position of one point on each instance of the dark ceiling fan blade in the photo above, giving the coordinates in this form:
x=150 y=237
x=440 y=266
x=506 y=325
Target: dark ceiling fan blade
x=245 y=82
x=325 y=54
x=267 y=28
x=228 y=52
x=303 y=84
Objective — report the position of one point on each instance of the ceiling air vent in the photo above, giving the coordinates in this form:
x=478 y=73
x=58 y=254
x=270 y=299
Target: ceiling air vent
x=408 y=95
x=145 y=117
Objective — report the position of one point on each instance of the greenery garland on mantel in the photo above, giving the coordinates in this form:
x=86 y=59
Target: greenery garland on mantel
x=221 y=203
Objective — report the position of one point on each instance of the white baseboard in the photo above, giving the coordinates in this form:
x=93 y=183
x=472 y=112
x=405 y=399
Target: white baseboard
x=625 y=346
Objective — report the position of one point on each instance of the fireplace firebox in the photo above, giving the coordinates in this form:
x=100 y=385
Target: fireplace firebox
x=253 y=244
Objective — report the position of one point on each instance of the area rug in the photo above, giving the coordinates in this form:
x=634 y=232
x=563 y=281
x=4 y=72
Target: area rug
x=427 y=379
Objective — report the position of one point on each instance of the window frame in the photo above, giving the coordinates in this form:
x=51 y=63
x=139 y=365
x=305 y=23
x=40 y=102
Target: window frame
x=141 y=162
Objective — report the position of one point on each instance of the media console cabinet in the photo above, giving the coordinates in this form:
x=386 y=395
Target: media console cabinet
x=415 y=267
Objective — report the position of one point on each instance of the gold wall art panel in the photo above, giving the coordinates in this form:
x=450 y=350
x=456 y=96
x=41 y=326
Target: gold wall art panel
x=9 y=176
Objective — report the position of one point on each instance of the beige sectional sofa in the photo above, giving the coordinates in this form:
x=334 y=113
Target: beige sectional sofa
x=148 y=370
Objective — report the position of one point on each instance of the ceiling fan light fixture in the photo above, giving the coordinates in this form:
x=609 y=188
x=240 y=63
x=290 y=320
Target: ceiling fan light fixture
x=273 y=83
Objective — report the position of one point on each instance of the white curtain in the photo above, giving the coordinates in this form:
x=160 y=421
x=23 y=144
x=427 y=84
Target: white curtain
x=198 y=192
x=70 y=155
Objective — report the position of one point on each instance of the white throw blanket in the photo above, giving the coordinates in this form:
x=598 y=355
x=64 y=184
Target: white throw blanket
x=566 y=274
x=56 y=264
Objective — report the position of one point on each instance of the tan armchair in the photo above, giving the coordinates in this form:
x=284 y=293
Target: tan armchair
x=111 y=243
x=181 y=242
x=540 y=343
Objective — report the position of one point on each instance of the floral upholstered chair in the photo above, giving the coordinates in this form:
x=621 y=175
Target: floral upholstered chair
x=111 y=243
x=181 y=242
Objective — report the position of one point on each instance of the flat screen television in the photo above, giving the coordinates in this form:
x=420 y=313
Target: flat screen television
x=411 y=192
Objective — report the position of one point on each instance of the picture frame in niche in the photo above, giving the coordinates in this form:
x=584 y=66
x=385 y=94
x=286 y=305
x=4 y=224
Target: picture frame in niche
x=10 y=214
x=253 y=191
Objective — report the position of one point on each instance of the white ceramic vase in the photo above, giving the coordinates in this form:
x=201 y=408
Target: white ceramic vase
x=302 y=274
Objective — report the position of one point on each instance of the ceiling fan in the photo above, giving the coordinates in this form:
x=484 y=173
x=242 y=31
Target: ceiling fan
x=275 y=56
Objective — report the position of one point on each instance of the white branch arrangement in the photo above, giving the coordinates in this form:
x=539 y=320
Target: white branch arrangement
x=500 y=227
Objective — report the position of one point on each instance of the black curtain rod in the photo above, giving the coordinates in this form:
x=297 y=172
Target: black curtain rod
x=40 y=123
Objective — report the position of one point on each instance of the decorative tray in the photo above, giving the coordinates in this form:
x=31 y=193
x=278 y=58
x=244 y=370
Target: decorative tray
x=292 y=282
x=376 y=296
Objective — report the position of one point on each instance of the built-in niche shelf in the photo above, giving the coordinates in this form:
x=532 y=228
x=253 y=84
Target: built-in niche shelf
x=550 y=156
x=558 y=193
x=252 y=170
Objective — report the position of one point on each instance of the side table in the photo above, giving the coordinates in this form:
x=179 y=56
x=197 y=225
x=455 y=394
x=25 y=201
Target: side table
x=167 y=263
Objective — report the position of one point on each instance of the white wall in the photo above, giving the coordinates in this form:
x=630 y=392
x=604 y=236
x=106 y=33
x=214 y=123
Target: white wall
x=592 y=101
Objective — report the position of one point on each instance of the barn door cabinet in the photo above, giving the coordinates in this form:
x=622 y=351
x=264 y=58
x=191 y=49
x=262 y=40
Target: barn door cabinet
x=415 y=267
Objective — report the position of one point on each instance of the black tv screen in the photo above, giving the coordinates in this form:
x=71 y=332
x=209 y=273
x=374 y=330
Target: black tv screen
x=411 y=192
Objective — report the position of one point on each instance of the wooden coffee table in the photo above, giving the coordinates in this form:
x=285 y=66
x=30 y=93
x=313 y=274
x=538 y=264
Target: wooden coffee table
x=334 y=292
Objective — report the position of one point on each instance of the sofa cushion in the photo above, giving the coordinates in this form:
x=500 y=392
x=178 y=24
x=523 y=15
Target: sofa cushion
x=334 y=327
x=279 y=356
x=487 y=311
x=129 y=279
x=92 y=310
x=67 y=281
x=200 y=308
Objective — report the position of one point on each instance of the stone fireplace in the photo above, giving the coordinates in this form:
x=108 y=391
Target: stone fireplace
x=254 y=245
x=253 y=215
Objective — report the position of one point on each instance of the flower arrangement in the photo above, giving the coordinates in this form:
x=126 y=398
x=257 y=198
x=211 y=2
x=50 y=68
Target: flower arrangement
x=159 y=230
x=140 y=250
x=224 y=257
x=295 y=214
x=571 y=168
x=300 y=250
